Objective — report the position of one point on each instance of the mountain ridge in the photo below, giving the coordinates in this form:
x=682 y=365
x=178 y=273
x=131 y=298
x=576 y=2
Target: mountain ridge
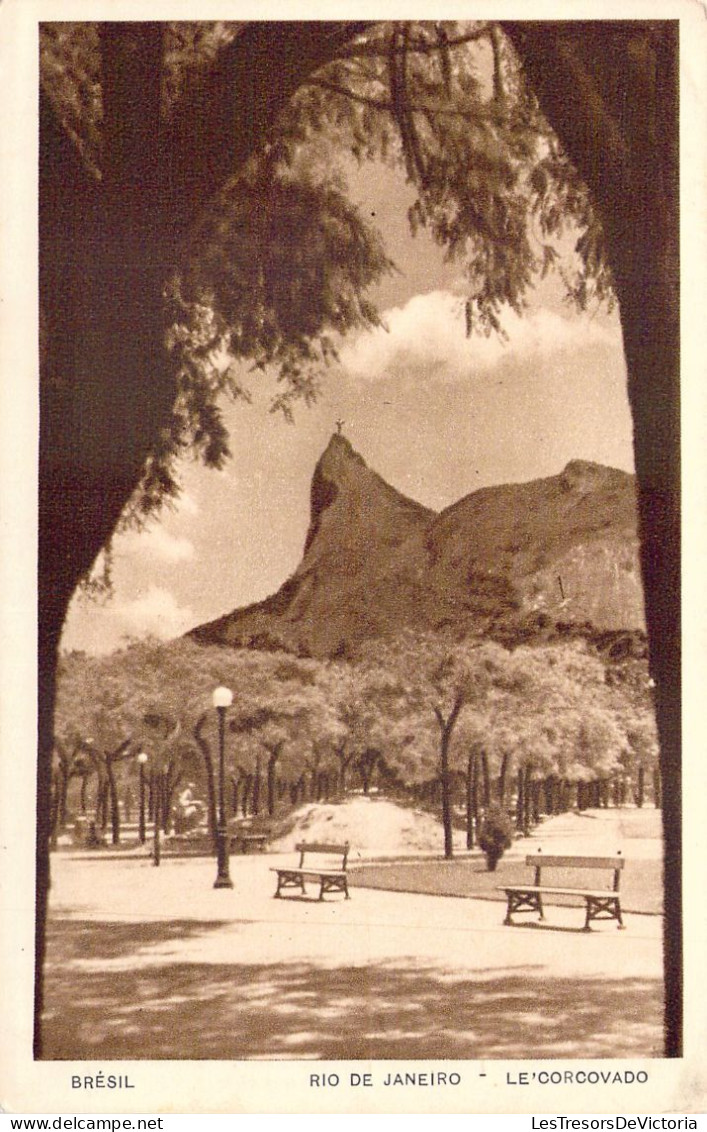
x=510 y=561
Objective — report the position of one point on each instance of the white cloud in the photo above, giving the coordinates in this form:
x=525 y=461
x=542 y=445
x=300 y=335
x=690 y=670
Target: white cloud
x=99 y=628
x=427 y=337
x=157 y=543
x=154 y=613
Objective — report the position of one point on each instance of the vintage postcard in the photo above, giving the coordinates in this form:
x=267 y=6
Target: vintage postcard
x=353 y=514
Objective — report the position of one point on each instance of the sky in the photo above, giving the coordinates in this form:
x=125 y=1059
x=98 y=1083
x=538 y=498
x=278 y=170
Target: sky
x=437 y=415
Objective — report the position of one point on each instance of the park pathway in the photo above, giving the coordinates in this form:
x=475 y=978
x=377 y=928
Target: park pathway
x=156 y=963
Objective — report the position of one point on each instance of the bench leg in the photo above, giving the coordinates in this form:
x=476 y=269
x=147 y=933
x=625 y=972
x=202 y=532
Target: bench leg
x=333 y=884
x=524 y=902
x=285 y=880
x=606 y=908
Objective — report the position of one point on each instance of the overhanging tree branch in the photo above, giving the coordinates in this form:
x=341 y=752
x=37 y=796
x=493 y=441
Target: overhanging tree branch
x=438 y=110
x=230 y=113
x=379 y=49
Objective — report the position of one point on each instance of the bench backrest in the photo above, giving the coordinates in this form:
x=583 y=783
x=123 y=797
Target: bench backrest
x=329 y=854
x=541 y=861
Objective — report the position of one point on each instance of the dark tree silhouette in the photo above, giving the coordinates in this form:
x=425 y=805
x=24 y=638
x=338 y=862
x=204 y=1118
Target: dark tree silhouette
x=609 y=90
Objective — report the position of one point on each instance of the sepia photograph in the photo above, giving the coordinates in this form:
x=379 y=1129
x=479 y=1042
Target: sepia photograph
x=356 y=641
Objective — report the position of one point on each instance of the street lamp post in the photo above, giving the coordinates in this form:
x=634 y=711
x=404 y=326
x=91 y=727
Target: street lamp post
x=156 y=789
x=157 y=847
x=222 y=699
x=141 y=760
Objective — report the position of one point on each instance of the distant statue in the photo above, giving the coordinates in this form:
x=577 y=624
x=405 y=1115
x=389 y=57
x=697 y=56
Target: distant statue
x=339 y=426
x=188 y=810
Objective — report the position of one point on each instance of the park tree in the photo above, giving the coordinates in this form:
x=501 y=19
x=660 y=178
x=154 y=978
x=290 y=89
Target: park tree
x=633 y=696
x=159 y=695
x=275 y=726
x=473 y=743
x=345 y=724
x=111 y=234
x=367 y=726
x=543 y=715
x=564 y=727
x=96 y=720
x=639 y=757
x=440 y=679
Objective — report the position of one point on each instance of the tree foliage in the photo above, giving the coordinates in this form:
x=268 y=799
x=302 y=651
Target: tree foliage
x=417 y=709
x=610 y=89
x=278 y=265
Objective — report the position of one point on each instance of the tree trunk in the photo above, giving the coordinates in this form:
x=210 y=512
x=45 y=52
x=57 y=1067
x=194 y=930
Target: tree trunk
x=502 y=780
x=641 y=786
x=102 y=805
x=471 y=771
x=209 y=774
x=656 y=788
x=151 y=796
x=367 y=765
x=257 y=785
x=446 y=727
x=83 y=489
x=535 y=802
x=344 y=761
x=271 y=781
x=566 y=795
x=114 y=803
x=549 y=794
x=520 y=801
x=530 y=794
x=486 y=778
x=63 y=798
x=611 y=94
x=446 y=796
x=248 y=783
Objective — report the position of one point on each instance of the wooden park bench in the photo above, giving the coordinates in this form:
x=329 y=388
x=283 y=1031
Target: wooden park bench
x=248 y=842
x=318 y=861
x=601 y=904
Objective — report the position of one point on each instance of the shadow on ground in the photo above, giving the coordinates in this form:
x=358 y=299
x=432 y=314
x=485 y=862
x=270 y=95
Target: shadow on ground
x=77 y=939
x=167 y=1009
x=641 y=883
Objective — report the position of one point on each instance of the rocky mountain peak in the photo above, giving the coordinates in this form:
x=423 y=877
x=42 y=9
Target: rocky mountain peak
x=582 y=476
x=553 y=555
x=339 y=458
x=346 y=492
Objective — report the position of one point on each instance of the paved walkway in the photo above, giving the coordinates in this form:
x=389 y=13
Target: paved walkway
x=155 y=962
x=636 y=833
